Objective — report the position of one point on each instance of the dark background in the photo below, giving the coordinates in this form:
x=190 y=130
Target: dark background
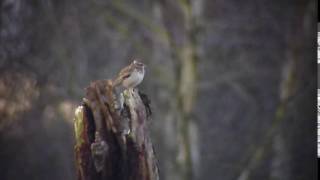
x=232 y=83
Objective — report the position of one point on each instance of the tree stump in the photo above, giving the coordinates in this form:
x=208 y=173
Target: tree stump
x=113 y=143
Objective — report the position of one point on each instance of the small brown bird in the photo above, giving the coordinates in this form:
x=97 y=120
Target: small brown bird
x=130 y=76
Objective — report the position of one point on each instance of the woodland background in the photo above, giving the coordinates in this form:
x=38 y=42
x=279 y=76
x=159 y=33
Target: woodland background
x=232 y=83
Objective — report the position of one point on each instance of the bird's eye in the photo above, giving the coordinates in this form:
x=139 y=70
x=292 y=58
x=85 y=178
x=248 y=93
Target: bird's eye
x=138 y=63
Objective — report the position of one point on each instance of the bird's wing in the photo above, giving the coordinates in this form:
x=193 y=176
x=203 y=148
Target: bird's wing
x=123 y=74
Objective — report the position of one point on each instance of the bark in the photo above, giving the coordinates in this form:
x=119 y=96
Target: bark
x=111 y=143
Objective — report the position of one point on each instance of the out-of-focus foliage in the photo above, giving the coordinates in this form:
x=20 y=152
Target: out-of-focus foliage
x=230 y=83
x=17 y=92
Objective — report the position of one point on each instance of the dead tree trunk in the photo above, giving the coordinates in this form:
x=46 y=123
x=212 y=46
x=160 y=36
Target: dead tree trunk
x=113 y=144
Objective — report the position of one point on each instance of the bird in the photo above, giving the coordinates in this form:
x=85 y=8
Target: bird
x=130 y=76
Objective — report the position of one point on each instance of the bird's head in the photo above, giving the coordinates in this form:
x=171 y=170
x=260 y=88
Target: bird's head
x=139 y=65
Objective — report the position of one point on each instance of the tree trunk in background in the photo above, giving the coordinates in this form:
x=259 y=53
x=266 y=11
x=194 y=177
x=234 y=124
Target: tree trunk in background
x=122 y=156
x=180 y=20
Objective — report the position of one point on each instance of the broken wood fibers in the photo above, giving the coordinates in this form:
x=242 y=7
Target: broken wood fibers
x=129 y=156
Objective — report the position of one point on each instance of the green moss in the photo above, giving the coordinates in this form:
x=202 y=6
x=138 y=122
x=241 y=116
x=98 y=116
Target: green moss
x=78 y=125
x=126 y=94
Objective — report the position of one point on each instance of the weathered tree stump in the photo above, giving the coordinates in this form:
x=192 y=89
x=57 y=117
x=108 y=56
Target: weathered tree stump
x=113 y=143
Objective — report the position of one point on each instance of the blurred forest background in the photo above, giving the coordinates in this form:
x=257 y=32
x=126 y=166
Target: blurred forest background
x=232 y=83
